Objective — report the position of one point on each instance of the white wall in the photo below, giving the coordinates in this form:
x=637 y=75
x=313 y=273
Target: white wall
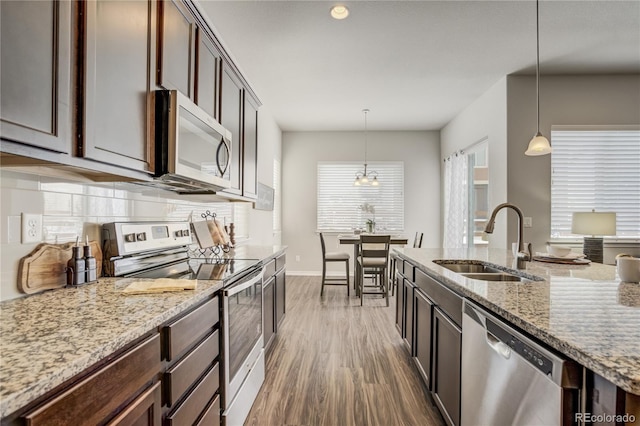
x=301 y=152
x=564 y=100
x=72 y=208
x=269 y=148
x=484 y=118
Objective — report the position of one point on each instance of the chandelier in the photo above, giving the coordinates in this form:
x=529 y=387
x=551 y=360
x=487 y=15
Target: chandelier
x=363 y=177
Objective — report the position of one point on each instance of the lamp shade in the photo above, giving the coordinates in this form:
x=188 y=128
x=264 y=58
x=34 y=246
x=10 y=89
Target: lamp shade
x=539 y=145
x=593 y=223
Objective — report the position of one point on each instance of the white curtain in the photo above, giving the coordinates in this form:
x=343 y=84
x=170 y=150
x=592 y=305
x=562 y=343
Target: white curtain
x=456 y=202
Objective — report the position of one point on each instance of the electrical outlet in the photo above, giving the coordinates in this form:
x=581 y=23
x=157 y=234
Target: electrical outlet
x=528 y=222
x=31 y=228
x=297 y=258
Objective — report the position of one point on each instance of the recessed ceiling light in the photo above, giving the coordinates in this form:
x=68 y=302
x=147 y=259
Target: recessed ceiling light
x=339 y=11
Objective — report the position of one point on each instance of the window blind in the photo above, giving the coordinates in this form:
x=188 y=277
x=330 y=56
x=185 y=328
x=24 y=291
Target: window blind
x=341 y=204
x=595 y=169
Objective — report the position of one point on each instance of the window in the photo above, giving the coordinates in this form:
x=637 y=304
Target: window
x=342 y=206
x=595 y=168
x=277 y=197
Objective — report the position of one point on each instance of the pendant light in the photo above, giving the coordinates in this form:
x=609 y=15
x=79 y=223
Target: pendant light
x=539 y=145
x=363 y=177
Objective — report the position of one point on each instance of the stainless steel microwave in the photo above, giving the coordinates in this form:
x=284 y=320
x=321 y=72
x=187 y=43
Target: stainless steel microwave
x=192 y=150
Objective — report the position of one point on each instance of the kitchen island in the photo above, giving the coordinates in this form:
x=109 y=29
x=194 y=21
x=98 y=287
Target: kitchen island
x=50 y=338
x=582 y=311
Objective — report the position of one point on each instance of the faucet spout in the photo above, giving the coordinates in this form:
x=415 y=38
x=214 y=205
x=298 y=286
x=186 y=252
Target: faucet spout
x=522 y=256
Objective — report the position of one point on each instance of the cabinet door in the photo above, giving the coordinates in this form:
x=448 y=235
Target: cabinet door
x=120 y=46
x=407 y=289
x=281 y=296
x=230 y=118
x=268 y=311
x=250 y=149
x=177 y=42
x=422 y=331
x=207 y=72
x=399 y=303
x=447 y=343
x=146 y=410
x=35 y=78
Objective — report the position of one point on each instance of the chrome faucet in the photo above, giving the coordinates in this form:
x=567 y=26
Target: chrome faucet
x=523 y=256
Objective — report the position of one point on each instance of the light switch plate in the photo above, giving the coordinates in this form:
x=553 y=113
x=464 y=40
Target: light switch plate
x=528 y=222
x=31 y=228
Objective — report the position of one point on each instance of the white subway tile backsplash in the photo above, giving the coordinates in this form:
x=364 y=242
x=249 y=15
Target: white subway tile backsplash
x=57 y=204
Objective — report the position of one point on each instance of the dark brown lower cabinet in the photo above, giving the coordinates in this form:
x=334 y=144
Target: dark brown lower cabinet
x=407 y=295
x=96 y=398
x=399 y=301
x=445 y=374
x=281 y=296
x=422 y=327
x=146 y=410
x=268 y=311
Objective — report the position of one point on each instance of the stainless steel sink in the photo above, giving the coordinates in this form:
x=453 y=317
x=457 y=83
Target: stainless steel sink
x=484 y=271
x=469 y=268
x=493 y=277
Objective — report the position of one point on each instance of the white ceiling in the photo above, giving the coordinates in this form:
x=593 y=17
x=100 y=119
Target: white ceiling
x=414 y=64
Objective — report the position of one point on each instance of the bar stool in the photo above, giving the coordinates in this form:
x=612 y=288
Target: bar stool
x=333 y=257
x=373 y=259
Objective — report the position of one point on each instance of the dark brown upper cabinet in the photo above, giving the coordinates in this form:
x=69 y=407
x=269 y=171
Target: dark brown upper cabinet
x=120 y=42
x=207 y=74
x=231 y=119
x=176 y=57
x=35 y=73
x=250 y=148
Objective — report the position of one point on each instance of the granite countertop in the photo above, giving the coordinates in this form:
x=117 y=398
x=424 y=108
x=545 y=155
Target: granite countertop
x=582 y=311
x=48 y=338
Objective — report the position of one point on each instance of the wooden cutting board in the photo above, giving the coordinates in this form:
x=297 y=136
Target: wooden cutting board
x=44 y=268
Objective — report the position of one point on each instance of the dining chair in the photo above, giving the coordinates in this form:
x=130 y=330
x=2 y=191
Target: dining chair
x=417 y=243
x=373 y=260
x=333 y=257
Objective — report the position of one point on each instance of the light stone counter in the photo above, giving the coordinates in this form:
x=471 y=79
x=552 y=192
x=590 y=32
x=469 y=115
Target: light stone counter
x=583 y=311
x=50 y=337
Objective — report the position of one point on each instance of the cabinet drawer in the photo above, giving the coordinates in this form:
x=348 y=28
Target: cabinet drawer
x=185 y=331
x=189 y=410
x=181 y=376
x=408 y=270
x=269 y=269
x=93 y=399
x=281 y=261
x=211 y=415
x=449 y=302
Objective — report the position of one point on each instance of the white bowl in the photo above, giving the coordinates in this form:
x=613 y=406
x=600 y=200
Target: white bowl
x=559 y=251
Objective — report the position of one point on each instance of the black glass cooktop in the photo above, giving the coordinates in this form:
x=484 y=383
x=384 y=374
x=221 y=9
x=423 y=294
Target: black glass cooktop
x=203 y=269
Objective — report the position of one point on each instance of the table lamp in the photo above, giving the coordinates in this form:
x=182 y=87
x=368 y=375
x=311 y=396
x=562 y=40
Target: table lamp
x=596 y=224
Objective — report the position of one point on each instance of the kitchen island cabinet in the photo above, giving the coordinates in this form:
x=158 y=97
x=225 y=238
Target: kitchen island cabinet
x=581 y=311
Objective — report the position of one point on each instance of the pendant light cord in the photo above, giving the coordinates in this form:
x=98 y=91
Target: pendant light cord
x=537 y=69
x=365 y=140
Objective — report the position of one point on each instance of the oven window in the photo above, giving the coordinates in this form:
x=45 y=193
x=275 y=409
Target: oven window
x=245 y=325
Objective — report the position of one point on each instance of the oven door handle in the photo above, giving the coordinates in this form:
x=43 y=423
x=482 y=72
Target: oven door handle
x=237 y=288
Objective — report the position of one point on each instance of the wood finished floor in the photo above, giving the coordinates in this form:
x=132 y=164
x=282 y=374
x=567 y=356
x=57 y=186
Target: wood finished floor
x=334 y=362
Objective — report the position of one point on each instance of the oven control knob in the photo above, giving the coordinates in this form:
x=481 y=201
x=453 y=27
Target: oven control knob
x=185 y=233
x=178 y=233
x=141 y=236
x=129 y=238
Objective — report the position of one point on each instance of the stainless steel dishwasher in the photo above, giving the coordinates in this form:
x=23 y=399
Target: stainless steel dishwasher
x=508 y=379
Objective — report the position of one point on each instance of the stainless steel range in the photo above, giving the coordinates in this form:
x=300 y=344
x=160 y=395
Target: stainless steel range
x=161 y=250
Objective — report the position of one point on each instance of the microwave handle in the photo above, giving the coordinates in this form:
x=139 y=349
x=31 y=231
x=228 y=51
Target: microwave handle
x=222 y=168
